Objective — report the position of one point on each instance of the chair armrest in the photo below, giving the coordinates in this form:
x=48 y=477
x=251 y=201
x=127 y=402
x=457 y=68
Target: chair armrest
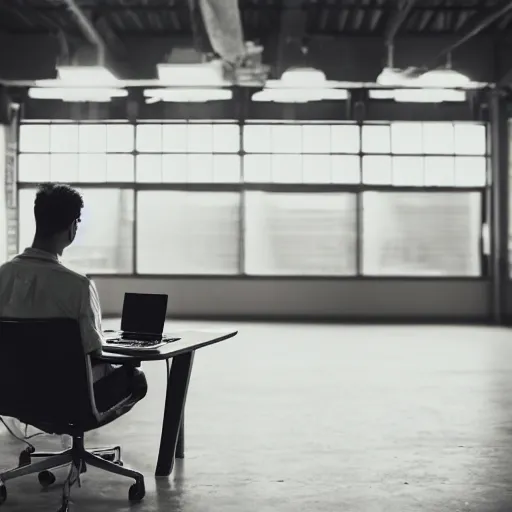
x=106 y=357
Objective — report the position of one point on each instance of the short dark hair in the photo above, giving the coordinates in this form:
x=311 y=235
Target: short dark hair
x=56 y=207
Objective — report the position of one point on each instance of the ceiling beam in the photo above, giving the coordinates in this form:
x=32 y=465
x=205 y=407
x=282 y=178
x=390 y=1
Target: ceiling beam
x=113 y=8
x=351 y=59
x=29 y=15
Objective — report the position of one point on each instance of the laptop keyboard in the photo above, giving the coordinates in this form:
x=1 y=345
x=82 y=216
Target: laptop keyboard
x=130 y=342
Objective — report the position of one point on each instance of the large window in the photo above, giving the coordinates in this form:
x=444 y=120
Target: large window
x=188 y=153
x=188 y=232
x=64 y=152
x=414 y=154
x=292 y=153
x=421 y=233
x=300 y=233
x=265 y=198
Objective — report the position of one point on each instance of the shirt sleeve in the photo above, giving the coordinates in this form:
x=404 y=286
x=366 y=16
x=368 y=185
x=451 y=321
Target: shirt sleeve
x=90 y=319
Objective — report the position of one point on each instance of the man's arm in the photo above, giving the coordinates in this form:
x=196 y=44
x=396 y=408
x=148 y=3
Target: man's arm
x=90 y=319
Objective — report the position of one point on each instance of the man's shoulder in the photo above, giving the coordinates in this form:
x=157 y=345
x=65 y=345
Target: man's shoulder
x=61 y=272
x=73 y=275
x=8 y=266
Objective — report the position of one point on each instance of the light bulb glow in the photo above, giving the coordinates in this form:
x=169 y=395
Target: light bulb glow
x=187 y=95
x=76 y=94
x=303 y=77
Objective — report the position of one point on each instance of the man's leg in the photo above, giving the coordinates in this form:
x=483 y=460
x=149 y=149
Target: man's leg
x=126 y=381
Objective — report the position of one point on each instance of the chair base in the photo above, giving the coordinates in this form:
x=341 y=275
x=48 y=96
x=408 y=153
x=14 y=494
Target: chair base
x=80 y=458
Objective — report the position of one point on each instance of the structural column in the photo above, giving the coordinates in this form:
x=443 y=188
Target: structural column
x=8 y=174
x=499 y=146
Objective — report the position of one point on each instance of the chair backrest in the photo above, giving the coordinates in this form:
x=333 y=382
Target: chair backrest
x=44 y=373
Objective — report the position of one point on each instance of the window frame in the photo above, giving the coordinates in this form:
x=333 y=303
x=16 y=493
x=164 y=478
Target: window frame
x=242 y=187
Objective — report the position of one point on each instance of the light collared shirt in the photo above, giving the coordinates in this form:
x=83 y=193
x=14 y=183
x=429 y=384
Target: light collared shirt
x=35 y=284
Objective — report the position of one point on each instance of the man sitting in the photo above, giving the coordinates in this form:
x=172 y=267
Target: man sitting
x=35 y=284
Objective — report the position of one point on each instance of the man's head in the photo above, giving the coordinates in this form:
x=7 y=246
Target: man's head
x=57 y=210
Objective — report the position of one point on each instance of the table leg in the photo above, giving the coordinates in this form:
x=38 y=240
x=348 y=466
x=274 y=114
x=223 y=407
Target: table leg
x=176 y=395
x=180 y=447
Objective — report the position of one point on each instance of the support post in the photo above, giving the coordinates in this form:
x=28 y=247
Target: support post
x=499 y=205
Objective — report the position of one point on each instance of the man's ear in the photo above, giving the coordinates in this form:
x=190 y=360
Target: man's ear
x=71 y=231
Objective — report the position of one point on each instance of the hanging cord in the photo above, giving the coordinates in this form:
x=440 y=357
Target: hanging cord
x=69 y=482
x=31 y=446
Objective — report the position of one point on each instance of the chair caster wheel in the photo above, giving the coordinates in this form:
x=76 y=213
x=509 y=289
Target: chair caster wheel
x=137 y=491
x=24 y=459
x=46 y=478
x=3 y=493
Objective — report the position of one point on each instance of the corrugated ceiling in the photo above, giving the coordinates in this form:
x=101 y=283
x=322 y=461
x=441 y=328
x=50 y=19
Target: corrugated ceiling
x=260 y=17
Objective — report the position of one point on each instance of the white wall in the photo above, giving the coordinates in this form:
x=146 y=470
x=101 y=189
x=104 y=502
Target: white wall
x=349 y=299
x=3 y=220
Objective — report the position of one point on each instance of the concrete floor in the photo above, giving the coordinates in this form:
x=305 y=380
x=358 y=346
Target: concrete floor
x=318 y=418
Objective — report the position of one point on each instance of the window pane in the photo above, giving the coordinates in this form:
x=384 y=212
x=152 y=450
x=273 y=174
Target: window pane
x=27 y=223
x=316 y=139
x=92 y=168
x=470 y=139
x=120 y=168
x=286 y=138
x=120 y=138
x=35 y=138
x=200 y=169
x=346 y=169
x=103 y=242
x=64 y=168
x=376 y=139
x=257 y=138
x=408 y=171
x=226 y=168
x=377 y=170
x=316 y=168
x=257 y=168
x=149 y=168
x=226 y=138
x=174 y=138
x=64 y=138
x=439 y=171
x=149 y=138
x=407 y=138
x=92 y=138
x=470 y=171
x=200 y=138
x=34 y=168
x=175 y=168
x=438 y=138
x=345 y=138
x=300 y=234
x=286 y=168
x=421 y=233
x=188 y=232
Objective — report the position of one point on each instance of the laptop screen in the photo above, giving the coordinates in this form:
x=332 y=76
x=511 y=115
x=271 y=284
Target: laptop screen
x=144 y=313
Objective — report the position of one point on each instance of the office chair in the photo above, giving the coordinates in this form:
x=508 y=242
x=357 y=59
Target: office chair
x=46 y=382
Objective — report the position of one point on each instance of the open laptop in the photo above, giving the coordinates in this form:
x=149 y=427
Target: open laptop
x=142 y=324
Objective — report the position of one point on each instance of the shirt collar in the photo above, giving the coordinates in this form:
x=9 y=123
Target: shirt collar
x=30 y=252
